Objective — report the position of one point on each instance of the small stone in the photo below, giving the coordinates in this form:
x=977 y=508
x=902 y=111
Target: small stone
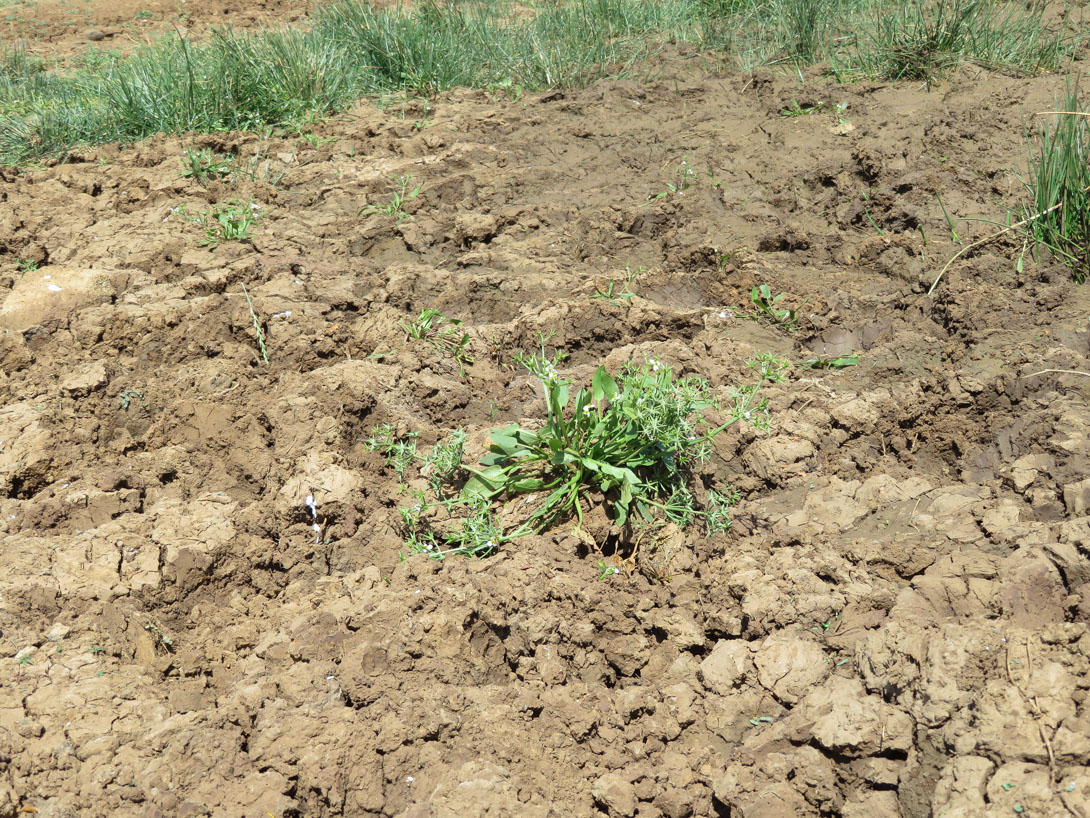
x=58 y=632
x=614 y=792
x=1077 y=497
x=725 y=666
x=86 y=381
x=790 y=666
x=94 y=35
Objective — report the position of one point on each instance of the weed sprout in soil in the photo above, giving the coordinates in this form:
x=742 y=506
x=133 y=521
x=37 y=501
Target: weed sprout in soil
x=630 y=441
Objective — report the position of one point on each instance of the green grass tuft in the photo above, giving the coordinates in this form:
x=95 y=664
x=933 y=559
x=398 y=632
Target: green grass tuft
x=1058 y=210
x=288 y=78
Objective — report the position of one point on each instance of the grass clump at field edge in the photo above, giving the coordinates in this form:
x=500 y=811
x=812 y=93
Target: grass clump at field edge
x=1057 y=215
x=288 y=78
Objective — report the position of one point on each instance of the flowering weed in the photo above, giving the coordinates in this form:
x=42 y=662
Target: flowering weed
x=633 y=440
x=400 y=452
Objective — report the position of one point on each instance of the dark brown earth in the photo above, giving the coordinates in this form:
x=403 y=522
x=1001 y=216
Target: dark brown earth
x=895 y=626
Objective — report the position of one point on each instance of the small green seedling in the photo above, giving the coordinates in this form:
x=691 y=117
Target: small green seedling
x=395 y=208
x=841 y=108
x=616 y=292
x=128 y=395
x=827 y=625
x=949 y=221
x=839 y=362
x=794 y=109
x=26 y=265
x=506 y=89
x=684 y=178
x=443 y=333
x=230 y=221
x=717 y=518
x=257 y=326
x=605 y=571
x=873 y=223
x=168 y=643
x=25 y=660
x=316 y=141
x=205 y=166
x=765 y=305
x=400 y=452
x=443 y=463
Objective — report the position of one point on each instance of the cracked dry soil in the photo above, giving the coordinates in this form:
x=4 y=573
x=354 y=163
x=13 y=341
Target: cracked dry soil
x=896 y=625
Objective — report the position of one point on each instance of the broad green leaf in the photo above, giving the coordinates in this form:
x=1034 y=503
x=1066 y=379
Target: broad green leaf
x=485 y=483
x=620 y=509
x=626 y=476
x=560 y=395
x=562 y=457
x=505 y=443
x=528 y=484
x=603 y=385
x=581 y=400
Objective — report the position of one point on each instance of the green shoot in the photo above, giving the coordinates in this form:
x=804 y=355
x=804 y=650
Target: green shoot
x=765 y=306
x=949 y=220
x=257 y=326
x=1057 y=215
x=400 y=452
x=443 y=463
x=796 y=110
x=395 y=207
x=613 y=295
x=205 y=166
x=442 y=333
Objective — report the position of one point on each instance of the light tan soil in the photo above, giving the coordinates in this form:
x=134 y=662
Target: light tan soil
x=896 y=624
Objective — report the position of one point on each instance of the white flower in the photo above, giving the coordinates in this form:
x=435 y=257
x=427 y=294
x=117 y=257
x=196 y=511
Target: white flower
x=655 y=364
x=588 y=409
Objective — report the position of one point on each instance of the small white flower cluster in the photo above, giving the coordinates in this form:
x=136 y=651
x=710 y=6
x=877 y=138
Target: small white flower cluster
x=313 y=508
x=547 y=372
x=655 y=364
x=588 y=409
x=490 y=545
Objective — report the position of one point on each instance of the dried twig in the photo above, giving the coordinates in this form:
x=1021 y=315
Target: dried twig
x=1059 y=371
x=993 y=237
